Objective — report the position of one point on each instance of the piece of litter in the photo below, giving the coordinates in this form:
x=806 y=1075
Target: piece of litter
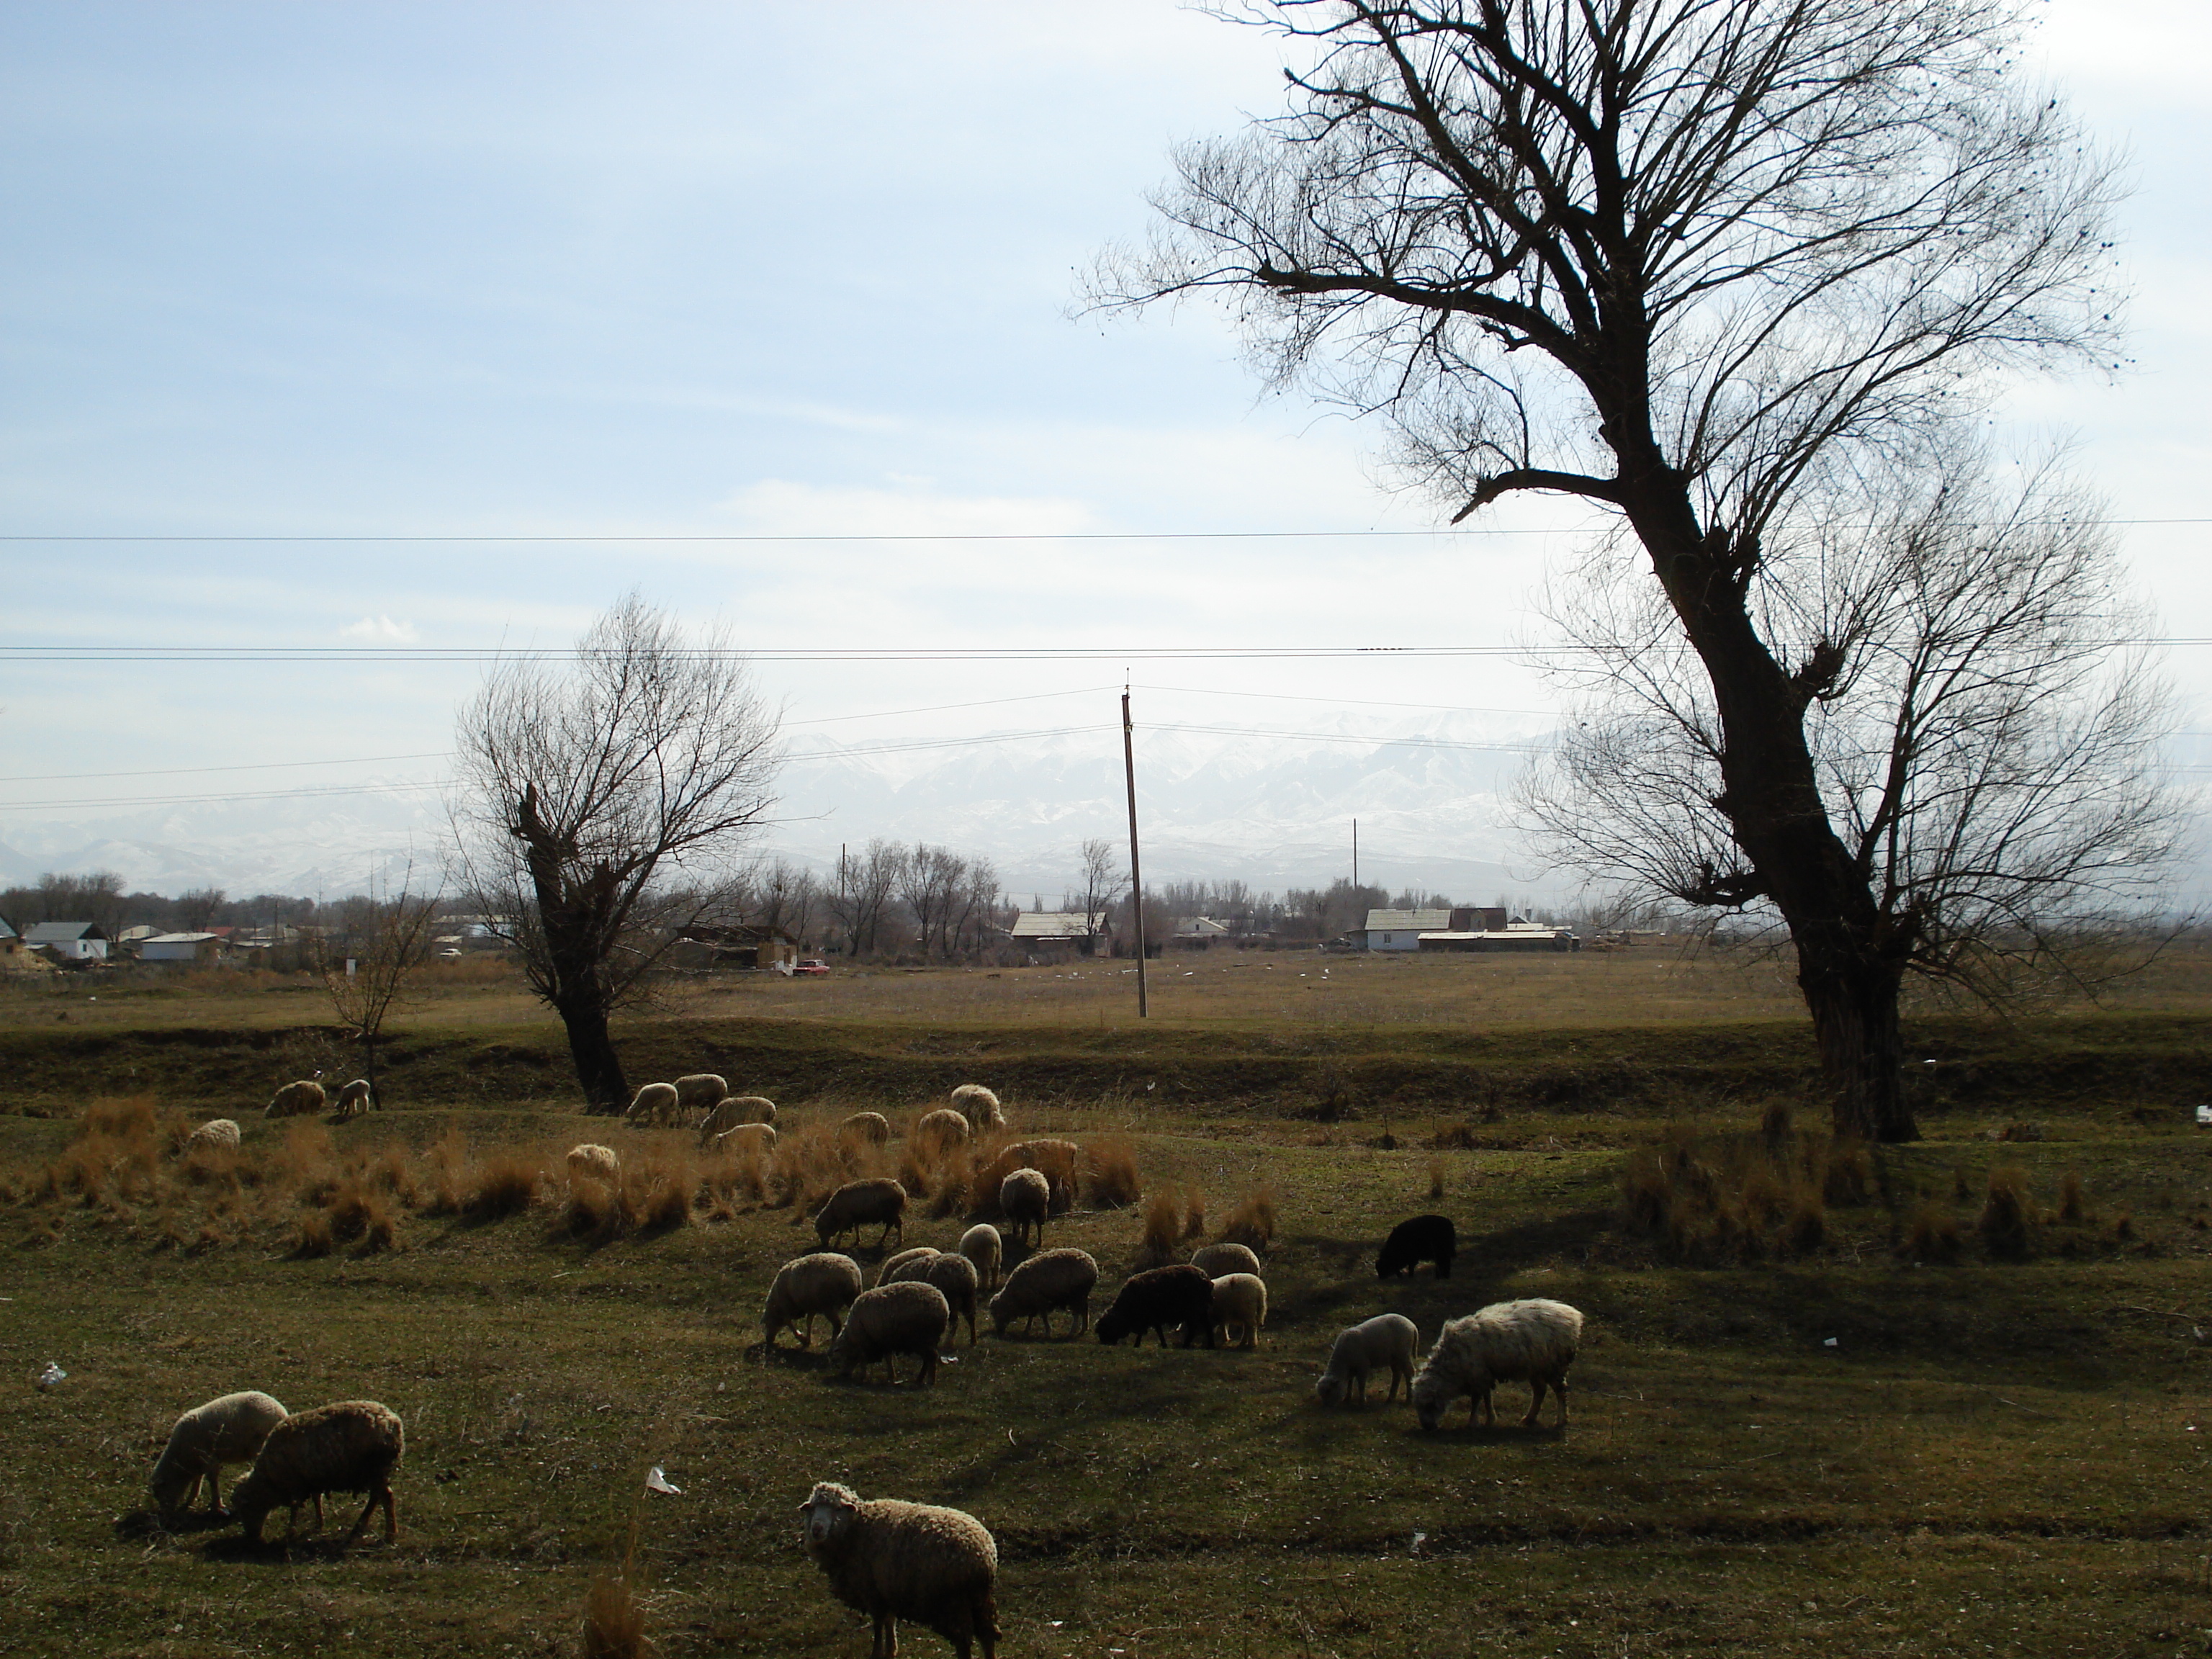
x=2204 y=1115
x=1828 y=1342
x=1054 y=1623
x=656 y=1479
x=52 y=1375
x=1419 y=1539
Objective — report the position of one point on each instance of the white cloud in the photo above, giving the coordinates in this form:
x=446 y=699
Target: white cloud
x=381 y=630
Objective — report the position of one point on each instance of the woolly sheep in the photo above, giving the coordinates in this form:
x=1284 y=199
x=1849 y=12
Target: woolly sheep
x=295 y=1099
x=1423 y=1238
x=979 y=1106
x=352 y=1446
x=591 y=1161
x=737 y=1109
x=1533 y=1342
x=215 y=1133
x=1239 y=1300
x=745 y=1138
x=824 y=1283
x=895 y=1560
x=1026 y=1196
x=1216 y=1259
x=891 y=1319
x=981 y=1245
x=954 y=1275
x=1157 y=1299
x=1386 y=1340
x=1056 y=1160
x=858 y=1204
x=890 y=1272
x=654 y=1103
x=227 y=1430
x=939 y=1130
x=872 y=1127
x=1042 y=1285
x=701 y=1091
x=353 y=1100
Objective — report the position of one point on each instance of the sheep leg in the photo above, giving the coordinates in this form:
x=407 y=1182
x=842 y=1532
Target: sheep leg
x=1536 y=1402
x=214 y=1489
x=885 y=1645
x=367 y=1509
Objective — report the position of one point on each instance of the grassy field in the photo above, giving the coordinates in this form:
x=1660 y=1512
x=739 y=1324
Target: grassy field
x=1900 y=1436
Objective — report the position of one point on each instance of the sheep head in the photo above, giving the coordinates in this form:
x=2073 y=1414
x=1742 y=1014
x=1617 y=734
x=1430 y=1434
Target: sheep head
x=828 y=1509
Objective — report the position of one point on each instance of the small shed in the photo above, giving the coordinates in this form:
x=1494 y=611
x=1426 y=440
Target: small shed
x=179 y=947
x=1047 y=932
x=72 y=941
x=1199 y=932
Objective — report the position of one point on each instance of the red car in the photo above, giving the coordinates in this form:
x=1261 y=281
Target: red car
x=813 y=968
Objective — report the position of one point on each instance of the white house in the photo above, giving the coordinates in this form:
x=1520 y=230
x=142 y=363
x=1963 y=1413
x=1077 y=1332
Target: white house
x=179 y=947
x=1049 y=930
x=78 y=941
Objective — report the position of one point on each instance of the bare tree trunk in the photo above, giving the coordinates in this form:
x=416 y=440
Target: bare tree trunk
x=1854 y=1004
x=599 y=1068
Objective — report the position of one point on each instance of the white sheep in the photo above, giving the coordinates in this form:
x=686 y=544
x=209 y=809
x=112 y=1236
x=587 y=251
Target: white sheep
x=892 y=1264
x=908 y=1317
x=654 y=1103
x=295 y=1098
x=1240 y=1300
x=1219 y=1259
x=745 y=1138
x=591 y=1161
x=981 y=1245
x=352 y=1446
x=353 y=1100
x=858 y=1204
x=1533 y=1342
x=1026 y=1196
x=733 y=1112
x=217 y=1134
x=1386 y=1340
x=701 y=1091
x=938 y=1131
x=1042 y=1285
x=954 y=1275
x=979 y=1106
x=824 y=1283
x=226 y=1430
x=894 y=1560
x=872 y=1127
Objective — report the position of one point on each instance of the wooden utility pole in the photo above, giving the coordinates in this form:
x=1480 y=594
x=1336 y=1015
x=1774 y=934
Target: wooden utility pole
x=1355 y=851
x=1136 y=875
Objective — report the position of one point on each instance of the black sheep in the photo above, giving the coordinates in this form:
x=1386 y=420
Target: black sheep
x=1157 y=1298
x=1423 y=1238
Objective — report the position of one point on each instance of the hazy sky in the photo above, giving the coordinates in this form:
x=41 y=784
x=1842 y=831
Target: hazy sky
x=514 y=271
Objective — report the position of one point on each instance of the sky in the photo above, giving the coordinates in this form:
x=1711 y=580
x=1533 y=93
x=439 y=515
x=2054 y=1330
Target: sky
x=530 y=286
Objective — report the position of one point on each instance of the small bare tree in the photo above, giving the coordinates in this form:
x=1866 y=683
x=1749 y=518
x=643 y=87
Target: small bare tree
x=600 y=807
x=366 y=967
x=861 y=899
x=1104 y=880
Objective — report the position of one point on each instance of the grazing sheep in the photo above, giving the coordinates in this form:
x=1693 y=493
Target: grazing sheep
x=890 y=1272
x=1045 y=1283
x=1423 y=1238
x=227 y=1430
x=891 y=1319
x=1533 y=1342
x=1240 y=1300
x=352 y=1446
x=1026 y=1197
x=938 y=1131
x=824 y=1283
x=353 y=1100
x=737 y=1109
x=895 y=1560
x=701 y=1091
x=979 y=1106
x=954 y=1275
x=1056 y=1160
x=872 y=1127
x=216 y=1132
x=981 y=1244
x=1390 y=1339
x=745 y=1138
x=1219 y=1259
x=858 y=1204
x=295 y=1099
x=654 y=1103
x=593 y=1161
x=1155 y=1300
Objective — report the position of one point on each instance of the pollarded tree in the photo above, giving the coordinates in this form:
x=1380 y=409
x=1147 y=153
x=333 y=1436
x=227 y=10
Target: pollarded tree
x=601 y=804
x=1694 y=262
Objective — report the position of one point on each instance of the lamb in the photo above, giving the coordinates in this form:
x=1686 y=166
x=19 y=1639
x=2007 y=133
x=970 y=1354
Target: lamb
x=1045 y=1283
x=938 y=1131
x=738 y=1109
x=891 y=1271
x=1239 y=1300
x=979 y=1106
x=1423 y=1238
x=1219 y=1259
x=1053 y=1159
x=745 y=1138
x=701 y=1091
x=217 y=1132
x=295 y=1099
x=1390 y=1339
x=824 y=1283
x=954 y=1275
x=226 y=1430
x=353 y=1100
x=1026 y=1196
x=873 y=1127
x=858 y=1204
x=654 y=1103
x=981 y=1244
x=889 y=1320
x=1156 y=1299
x=1532 y=1342
x=895 y=1560
x=352 y=1446
x=591 y=1161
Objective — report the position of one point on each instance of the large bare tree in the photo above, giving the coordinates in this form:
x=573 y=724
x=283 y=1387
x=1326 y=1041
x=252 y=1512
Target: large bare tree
x=602 y=801
x=1694 y=262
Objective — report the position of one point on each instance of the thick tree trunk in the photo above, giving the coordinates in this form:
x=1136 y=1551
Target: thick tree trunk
x=1853 y=997
x=599 y=1068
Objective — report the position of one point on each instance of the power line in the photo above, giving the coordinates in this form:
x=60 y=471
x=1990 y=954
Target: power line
x=243 y=766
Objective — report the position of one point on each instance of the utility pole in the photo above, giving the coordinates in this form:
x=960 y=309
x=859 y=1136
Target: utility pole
x=1355 y=851
x=1136 y=876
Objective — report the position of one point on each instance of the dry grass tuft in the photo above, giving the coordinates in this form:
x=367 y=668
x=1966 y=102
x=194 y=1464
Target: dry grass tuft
x=1436 y=1177
x=2008 y=1223
x=1194 y=1211
x=1110 y=1175
x=658 y=1196
x=1252 y=1221
x=1717 y=1199
x=812 y=1164
x=594 y=1210
x=312 y=1237
x=504 y=1184
x=1933 y=1233
x=1162 y=1226
x=2072 y=1207
x=614 y=1618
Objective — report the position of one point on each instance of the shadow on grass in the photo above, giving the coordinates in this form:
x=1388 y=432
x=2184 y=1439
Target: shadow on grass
x=283 y=1551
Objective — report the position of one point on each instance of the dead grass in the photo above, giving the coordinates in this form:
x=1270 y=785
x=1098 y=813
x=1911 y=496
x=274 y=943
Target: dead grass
x=1194 y=1211
x=1436 y=1178
x=503 y=1184
x=1252 y=1220
x=2008 y=1224
x=1720 y=1199
x=1110 y=1176
x=1163 y=1227
x=1933 y=1233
